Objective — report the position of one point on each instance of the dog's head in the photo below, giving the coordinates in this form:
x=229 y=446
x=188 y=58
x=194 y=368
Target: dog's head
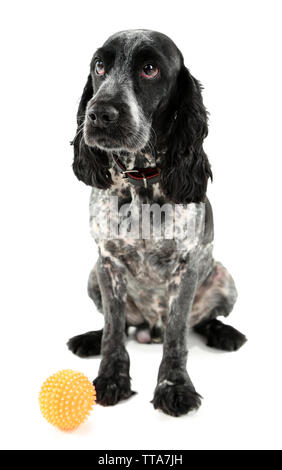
x=140 y=95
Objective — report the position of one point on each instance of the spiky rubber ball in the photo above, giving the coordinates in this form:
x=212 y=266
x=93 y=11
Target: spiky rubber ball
x=66 y=399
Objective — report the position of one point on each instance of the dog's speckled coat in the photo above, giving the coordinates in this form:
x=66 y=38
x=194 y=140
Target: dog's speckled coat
x=152 y=266
x=162 y=286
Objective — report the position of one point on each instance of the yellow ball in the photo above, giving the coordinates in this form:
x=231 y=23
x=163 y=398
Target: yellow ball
x=66 y=399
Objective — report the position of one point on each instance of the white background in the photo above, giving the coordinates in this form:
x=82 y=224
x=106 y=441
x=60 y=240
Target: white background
x=234 y=48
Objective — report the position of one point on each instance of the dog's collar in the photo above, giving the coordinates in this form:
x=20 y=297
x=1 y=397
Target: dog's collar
x=138 y=176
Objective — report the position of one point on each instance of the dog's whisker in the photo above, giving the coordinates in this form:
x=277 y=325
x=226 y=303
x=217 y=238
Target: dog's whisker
x=77 y=134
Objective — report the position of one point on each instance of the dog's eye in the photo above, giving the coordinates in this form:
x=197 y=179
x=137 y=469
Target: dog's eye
x=99 y=67
x=149 y=71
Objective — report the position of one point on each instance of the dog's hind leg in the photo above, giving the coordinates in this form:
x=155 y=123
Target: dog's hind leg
x=216 y=297
x=220 y=336
x=89 y=344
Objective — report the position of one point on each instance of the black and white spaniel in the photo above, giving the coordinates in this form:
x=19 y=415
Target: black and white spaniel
x=139 y=145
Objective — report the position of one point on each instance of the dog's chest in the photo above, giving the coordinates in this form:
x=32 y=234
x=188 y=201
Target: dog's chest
x=148 y=239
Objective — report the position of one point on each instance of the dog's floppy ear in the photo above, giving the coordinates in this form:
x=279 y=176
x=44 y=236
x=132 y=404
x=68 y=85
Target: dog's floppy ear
x=185 y=168
x=90 y=165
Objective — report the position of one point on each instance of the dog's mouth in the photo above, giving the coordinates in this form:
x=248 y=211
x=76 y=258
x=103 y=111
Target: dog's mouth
x=102 y=137
x=116 y=137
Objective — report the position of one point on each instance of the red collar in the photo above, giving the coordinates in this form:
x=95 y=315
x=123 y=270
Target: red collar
x=138 y=176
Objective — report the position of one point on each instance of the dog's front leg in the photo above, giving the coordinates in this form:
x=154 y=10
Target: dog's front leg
x=175 y=393
x=113 y=381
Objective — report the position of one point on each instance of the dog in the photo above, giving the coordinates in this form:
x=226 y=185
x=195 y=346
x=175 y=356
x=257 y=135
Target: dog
x=139 y=144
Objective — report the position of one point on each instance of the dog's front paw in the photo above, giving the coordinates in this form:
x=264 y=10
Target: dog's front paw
x=176 y=399
x=110 y=390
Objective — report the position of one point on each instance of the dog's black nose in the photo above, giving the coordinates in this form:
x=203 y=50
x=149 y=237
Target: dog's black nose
x=103 y=115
